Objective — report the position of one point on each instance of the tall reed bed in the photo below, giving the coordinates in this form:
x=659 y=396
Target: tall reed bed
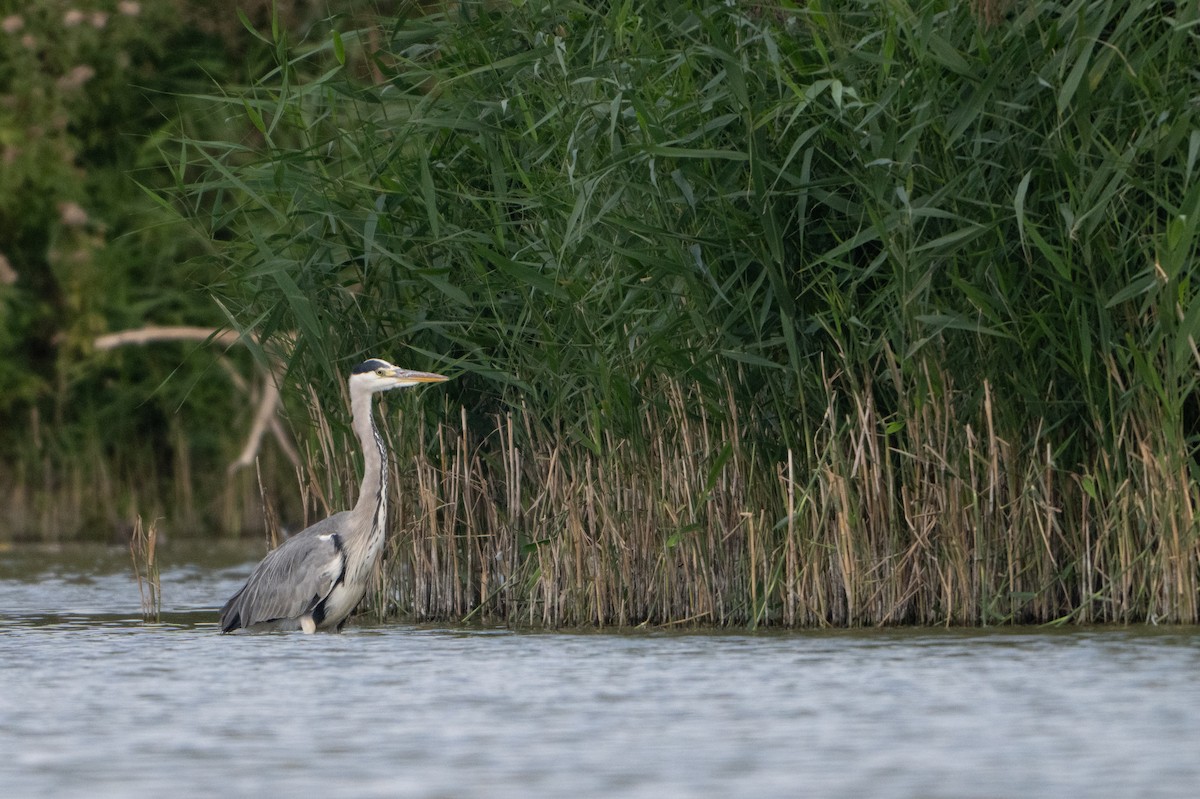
x=862 y=522
x=853 y=313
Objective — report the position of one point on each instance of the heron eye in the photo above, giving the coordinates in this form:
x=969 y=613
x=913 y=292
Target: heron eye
x=381 y=372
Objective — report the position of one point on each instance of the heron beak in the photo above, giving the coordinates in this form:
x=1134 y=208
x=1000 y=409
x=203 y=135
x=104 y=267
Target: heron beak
x=406 y=377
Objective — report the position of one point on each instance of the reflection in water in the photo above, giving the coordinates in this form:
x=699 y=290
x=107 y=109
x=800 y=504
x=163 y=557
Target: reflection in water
x=96 y=704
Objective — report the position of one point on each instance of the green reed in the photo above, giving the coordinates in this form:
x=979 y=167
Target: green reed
x=854 y=313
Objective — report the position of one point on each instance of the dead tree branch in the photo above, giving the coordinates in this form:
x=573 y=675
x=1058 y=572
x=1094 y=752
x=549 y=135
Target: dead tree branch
x=265 y=416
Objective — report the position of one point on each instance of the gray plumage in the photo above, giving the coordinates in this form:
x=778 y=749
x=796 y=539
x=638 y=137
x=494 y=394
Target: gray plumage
x=315 y=579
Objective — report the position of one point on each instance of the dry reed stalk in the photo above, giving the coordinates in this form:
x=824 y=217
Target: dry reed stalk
x=270 y=517
x=142 y=549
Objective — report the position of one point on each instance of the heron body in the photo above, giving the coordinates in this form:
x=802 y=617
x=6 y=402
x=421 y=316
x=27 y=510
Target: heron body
x=315 y=579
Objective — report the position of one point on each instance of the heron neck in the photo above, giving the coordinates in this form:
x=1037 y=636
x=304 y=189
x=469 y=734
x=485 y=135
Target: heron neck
x=372 y=499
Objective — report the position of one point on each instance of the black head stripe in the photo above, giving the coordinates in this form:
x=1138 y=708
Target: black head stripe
x=369 y=365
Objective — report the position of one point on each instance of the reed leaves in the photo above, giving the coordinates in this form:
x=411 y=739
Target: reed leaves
x=802 y=315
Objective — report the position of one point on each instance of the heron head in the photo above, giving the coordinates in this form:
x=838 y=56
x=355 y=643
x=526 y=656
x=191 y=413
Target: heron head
x=375 y=374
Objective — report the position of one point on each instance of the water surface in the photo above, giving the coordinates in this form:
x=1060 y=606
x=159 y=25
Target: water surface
x=94 y=703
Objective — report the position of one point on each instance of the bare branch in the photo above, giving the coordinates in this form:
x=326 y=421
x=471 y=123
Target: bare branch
x=153 y=333
x=264 y=418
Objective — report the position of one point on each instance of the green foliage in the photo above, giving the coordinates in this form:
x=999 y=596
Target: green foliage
x=804 y=210
x=83 y=117
x=90 y=92
x=567 y=198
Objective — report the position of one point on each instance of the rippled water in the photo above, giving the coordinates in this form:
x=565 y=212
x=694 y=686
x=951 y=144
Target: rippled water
x=94 y=703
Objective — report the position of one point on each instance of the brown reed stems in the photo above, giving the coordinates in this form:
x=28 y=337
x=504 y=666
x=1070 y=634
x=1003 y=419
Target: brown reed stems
x=142 y=549
x=929 y=516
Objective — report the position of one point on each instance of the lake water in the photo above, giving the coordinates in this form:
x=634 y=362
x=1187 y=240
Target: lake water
x=93 y=703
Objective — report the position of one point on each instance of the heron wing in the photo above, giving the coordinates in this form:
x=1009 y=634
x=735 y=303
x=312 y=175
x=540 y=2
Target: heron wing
x=292 y=579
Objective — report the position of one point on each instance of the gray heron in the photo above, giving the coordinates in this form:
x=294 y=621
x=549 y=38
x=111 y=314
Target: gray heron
x=315 y=579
